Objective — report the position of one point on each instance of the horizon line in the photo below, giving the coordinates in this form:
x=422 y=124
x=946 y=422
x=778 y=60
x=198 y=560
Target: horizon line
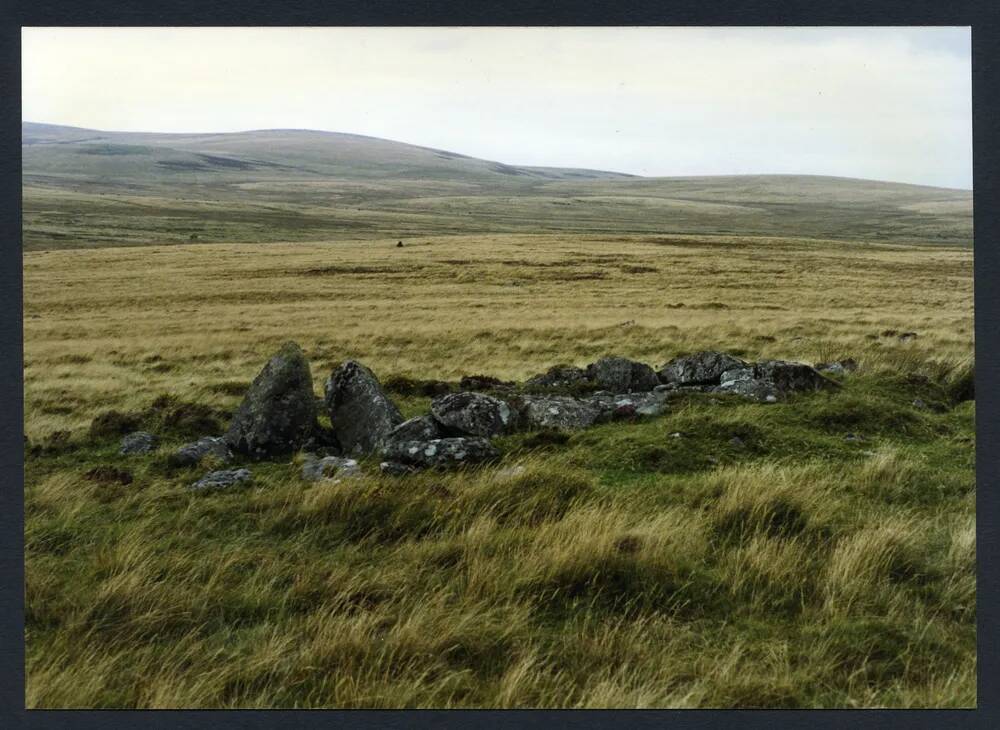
x=438 y=149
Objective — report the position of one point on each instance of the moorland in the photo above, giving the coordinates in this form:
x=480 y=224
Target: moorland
x=815 y=552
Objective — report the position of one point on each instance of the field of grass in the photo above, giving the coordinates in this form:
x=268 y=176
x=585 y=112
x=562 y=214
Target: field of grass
x=621 y=567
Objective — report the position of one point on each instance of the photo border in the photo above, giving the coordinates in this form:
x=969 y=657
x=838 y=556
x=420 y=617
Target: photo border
x=981 y=15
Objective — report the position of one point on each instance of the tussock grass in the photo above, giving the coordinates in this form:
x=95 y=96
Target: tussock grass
x=759 y=559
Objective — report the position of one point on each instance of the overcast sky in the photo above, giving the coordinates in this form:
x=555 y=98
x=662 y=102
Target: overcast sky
x=880 y=103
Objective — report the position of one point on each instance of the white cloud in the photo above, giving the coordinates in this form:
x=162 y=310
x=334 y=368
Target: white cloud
x=885 y=103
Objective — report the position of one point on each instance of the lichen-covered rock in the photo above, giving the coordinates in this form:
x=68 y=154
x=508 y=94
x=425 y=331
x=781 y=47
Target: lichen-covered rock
x=192 y=453
x=361 y=412
x=329 y=468
x=218 y=480
x=474 y=414
x=701 y=368
x=278 y=413
x=138 y=442
x=771 y=380
x=559 y=376
x=743 y=381
x=442 y=453
x=621 y=375
x=556 y=412
x=419 y=428
x=629 y=405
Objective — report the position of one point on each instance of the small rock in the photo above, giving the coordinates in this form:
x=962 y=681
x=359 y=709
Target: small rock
x=192 y=453
x=138 y=442
x=218 y=480
x=329 y=468
x=474 y=414
x=838 y=367
x=919 y=403
x=676 y=435
x=854 y=438
x=629 y=405
x=907 y=336
x=737 y=442
x=419 y=428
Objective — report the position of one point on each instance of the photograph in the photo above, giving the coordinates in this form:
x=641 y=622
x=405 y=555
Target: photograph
x=498 y=367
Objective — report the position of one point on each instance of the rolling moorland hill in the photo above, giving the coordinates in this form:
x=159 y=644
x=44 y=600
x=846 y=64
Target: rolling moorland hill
x=89 y=188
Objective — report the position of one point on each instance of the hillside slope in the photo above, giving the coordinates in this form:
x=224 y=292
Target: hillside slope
x=94 y=188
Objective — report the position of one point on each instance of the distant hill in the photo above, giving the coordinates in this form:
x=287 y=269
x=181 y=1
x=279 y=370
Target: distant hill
x=269 y=154
x=86 y=187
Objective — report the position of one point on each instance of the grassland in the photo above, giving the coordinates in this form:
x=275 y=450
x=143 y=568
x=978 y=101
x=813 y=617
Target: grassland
x=623 y=567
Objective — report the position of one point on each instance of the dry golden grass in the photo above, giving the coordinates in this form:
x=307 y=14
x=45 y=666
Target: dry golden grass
x=107 y=327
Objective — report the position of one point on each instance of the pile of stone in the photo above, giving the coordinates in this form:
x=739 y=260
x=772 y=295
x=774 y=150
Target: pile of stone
x=278 y=415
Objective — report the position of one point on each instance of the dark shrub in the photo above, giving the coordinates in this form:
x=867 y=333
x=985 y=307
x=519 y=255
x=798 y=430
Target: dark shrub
x=113 y=423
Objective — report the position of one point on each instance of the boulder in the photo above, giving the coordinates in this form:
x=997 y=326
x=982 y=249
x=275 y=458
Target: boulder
x=790 y=377
x=278 y=413
x=559 y=376
x=217 y=480
x=361 y=412
x=329 y=468
x=474 y=414
x=138 y=442
x=621 y=375
x=445 y=452
x=556 y=412
x=419 y=428
x=770 y=380
x=701 y=368
x=192 y=453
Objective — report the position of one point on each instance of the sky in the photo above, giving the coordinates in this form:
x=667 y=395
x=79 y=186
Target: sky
x=877 y=103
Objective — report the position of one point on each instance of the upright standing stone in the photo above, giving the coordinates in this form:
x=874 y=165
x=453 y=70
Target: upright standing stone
x=361 y=412
x=278 y=413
